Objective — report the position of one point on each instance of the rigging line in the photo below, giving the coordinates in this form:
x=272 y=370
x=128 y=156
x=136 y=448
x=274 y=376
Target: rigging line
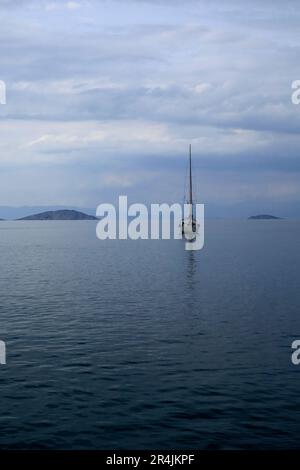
x=185 y=181
x=185 y=188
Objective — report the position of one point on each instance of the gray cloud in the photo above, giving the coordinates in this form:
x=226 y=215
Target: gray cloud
x=110 y=91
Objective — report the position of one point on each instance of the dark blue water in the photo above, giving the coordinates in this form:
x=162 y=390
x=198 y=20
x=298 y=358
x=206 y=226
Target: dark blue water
x=140 y=344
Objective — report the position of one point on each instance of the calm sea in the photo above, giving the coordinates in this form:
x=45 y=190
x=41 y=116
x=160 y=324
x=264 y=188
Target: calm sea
x=140 y=344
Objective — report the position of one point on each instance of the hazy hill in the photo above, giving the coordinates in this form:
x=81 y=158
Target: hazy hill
x=18 y=212
x=263 y=217
x=64 y=214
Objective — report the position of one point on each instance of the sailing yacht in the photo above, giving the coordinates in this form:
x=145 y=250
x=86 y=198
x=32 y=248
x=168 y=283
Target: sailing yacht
x=189 y=225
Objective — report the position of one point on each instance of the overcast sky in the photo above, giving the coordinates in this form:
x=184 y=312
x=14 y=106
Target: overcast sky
x=104 y=96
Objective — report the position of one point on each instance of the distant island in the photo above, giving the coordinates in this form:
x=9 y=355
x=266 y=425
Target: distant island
x=60 y=215
x=264 y=217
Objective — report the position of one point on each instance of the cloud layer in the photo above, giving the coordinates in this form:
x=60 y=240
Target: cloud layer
x=104 y=96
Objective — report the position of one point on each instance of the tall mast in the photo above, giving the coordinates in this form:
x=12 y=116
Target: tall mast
x=191 y=183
